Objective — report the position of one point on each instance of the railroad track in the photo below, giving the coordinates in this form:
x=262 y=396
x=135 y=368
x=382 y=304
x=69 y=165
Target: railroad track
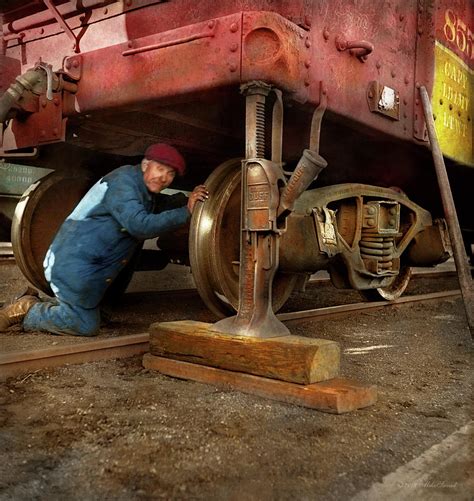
x=29 y=361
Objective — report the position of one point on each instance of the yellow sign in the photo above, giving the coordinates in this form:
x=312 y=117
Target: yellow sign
x=453 y=105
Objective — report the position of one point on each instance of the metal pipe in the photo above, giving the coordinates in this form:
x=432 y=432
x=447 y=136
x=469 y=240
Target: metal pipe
x=13 y=94
x=460 y=256
x=46 y=16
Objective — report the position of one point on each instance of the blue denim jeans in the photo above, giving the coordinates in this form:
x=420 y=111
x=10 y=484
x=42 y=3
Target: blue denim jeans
x=59 y=317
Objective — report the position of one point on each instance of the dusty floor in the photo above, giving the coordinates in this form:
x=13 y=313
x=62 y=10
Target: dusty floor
x=113 y=430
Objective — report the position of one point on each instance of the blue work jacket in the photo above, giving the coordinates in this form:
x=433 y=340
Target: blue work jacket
x=99 y=237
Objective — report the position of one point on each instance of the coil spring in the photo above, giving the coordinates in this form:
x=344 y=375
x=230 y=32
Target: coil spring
x=260 y=130
x=378 y=248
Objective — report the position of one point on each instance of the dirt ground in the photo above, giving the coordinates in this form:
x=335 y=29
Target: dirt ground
x=113 y=430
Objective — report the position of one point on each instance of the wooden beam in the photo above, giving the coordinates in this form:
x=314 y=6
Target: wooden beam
x=294 y=359
x=336 y=396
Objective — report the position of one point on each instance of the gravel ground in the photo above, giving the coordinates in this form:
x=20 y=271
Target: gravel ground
x=113 y=430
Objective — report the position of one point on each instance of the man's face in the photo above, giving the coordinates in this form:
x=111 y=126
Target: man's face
x=157 y=176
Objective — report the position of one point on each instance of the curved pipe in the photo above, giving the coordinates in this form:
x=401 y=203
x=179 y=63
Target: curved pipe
x=359 y=48
x=26 y=82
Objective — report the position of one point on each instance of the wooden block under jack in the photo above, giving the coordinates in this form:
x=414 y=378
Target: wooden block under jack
x=336 y=396
x=294 y=359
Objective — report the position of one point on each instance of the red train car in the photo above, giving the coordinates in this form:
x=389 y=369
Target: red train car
x=86 y=85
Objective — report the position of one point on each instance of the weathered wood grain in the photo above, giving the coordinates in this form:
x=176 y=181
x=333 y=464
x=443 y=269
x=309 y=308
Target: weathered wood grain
x=336 y=396
x=294 y=359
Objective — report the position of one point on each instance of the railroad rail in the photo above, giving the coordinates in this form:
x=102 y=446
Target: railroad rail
x=28 y=361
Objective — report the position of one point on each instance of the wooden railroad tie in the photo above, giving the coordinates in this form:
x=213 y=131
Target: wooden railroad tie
x=290 y=369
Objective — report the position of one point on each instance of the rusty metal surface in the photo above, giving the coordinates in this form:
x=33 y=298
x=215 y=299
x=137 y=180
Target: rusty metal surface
x=16 y=363
x=294 y=45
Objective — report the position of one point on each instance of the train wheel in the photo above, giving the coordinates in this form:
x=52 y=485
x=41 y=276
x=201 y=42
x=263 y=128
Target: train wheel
x=38 y=216
x=214 y=245
x=392 y=291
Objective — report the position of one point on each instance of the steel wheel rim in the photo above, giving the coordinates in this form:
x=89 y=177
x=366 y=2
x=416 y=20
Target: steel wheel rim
x=34 y=227
x=214 y=244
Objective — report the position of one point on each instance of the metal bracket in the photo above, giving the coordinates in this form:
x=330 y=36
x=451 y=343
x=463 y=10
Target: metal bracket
x=59 y=18
x=383 y=100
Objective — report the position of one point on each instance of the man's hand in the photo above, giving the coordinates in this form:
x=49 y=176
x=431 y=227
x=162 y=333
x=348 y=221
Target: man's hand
x=199 y=193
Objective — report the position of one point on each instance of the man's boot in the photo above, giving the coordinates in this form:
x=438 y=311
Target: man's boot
x=15 y=313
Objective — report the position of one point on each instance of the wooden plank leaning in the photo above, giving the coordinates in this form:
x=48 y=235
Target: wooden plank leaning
x=459 y=253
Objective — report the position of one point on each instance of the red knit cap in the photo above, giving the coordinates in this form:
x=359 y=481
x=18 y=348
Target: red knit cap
x=167 y=155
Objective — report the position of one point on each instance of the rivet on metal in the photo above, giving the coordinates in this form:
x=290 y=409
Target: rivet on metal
x=75 y=63
x=405 y=101
x=401 y=17
x=418 y=85
x=407 y=80
x=417 y=102
x=405 y=115
x=307 y=63
x=211 y=24
x=308 y=21
x=55 y=131
x=130 y=44
x=307 y=43
x=43 y=102
x=326 y=34
x=234 y=27
x=43 y=133
x=440 y=101
x=232 y=67
x=56 y=101
x=307 y=83
x=378 y=65
x=393 y=73
x=234 y=47
x=420 y=31
x=371 y=94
